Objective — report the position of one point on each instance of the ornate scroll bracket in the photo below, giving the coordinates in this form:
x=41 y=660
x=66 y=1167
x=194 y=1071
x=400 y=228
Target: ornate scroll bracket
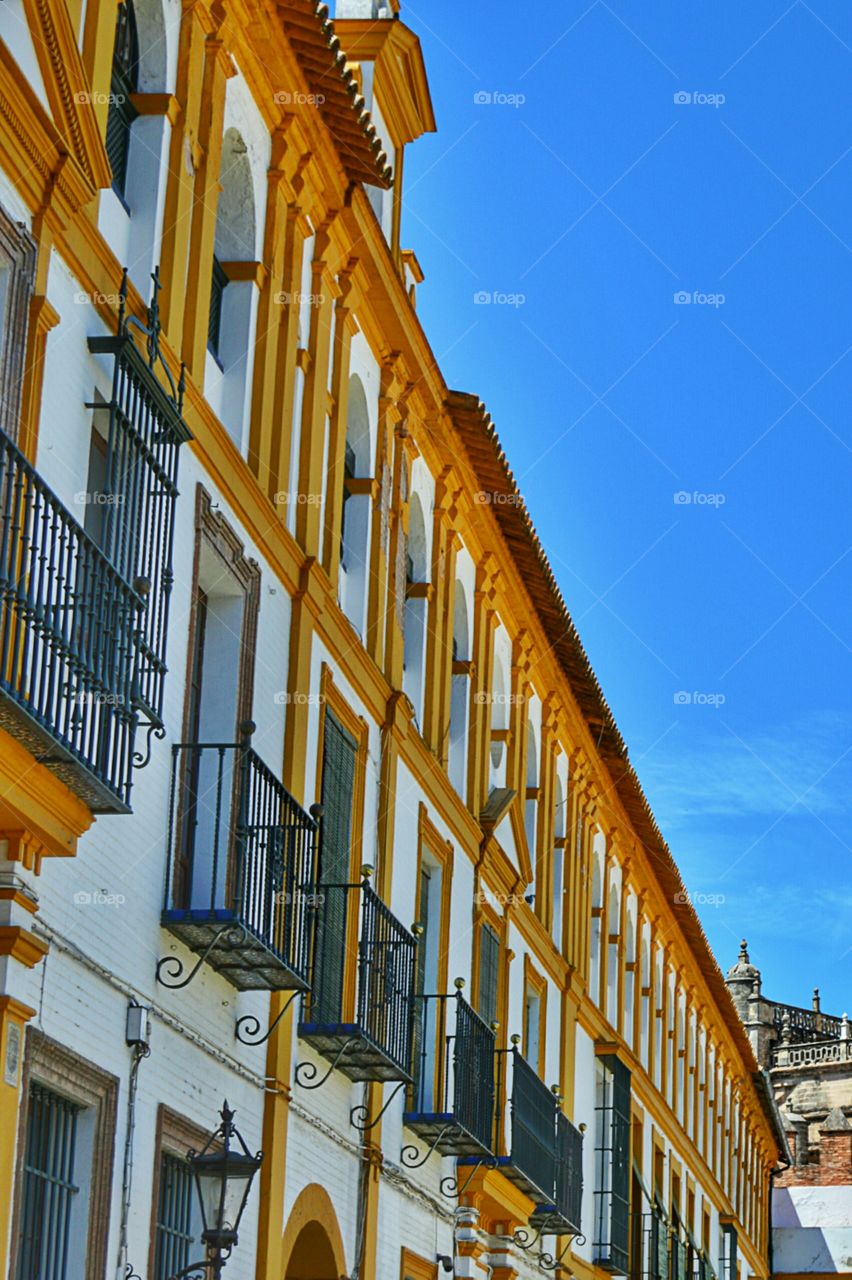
x=362 y=1112
x=174 y=967
x=410 y=1157
x=247 y=1029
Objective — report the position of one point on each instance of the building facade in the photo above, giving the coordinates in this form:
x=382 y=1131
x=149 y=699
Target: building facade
x=309 y=797
x=808 y=1056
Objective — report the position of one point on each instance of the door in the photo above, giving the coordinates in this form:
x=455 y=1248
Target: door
x=336 y=901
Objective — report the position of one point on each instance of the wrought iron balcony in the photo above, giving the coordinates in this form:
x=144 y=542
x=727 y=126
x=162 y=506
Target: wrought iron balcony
x=563 y=1215
x=68 y=622
x=452 y=1102
x=240 y=879
x=546 y=1153
x=653 y=1240
x=361 y=1019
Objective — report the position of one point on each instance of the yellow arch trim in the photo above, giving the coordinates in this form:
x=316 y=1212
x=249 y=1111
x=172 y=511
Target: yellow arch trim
x=313 y=1204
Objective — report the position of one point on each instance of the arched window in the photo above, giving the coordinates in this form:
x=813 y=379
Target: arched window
x=645 y=1007
x=416 y=607
x=130 y=216
x=499 y=722
x=531 y=813
x=233 y=298
x=355 y=515
x=557 y=870
x=124 y=83
x=613 y=939
x=459 y=693
x=597 y=927
x=629 y=973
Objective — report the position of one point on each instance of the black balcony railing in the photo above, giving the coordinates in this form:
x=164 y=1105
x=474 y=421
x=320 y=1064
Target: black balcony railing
x=240 y=880
x=545 y=1159
x=67 y=627
x=373 y=1041
x=452 y=1102
x=653 y=1239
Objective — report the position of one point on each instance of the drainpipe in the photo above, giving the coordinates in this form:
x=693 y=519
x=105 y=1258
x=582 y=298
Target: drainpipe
x=136 y=1036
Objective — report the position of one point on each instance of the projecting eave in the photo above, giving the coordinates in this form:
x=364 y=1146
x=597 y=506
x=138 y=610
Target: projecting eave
x=315 y=42
x=401 y=84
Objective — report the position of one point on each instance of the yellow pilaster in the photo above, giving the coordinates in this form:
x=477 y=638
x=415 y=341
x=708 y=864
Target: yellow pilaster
x=13 y=1019
x=218 y=68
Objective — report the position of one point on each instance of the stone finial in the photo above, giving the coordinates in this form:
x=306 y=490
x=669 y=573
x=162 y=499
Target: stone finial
x=786 y=1027
x=744 y=952
x=816 y=1000
x=844 y=1027
x=835 y=1122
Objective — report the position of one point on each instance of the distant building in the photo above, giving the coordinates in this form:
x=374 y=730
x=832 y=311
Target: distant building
x=808 y=1055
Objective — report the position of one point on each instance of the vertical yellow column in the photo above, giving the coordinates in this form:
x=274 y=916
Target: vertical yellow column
x=218 y=68
x=269 y=310
x=42 y=318
x=344 y=329
x=315 y=408
x=307 y=604
x=439 y=631
x=544 y=853
x=484 y=627
x=447 y=668
x=185 y=157
x=384 y=532
x=13 y=1019
x=98 y=42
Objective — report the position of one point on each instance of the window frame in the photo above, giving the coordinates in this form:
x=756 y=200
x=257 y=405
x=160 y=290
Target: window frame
x=175 y=1136
x=60 y=1069
x=18 y=255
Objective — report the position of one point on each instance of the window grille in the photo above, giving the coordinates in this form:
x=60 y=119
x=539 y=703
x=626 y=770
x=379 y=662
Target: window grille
x=174 y=1231
x=612 y=1160
x=49 y=1187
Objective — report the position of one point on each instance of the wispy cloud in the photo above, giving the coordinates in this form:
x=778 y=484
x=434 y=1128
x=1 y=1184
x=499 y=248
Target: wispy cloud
x=805 y=766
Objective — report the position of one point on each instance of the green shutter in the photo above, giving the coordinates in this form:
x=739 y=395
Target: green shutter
x=338 y=785
x=489 y=970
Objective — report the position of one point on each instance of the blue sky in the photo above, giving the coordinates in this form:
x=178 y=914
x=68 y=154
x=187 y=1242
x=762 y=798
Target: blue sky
x=584 y=186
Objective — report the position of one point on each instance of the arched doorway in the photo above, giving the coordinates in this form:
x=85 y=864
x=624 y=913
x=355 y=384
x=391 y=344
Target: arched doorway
x=313 y=1247
x=312 y=1257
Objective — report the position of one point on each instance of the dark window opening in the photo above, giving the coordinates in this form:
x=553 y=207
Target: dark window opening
x=124 y=83
x=214 y=326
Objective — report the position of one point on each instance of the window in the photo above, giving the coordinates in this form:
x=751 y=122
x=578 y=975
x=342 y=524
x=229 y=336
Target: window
x=460 y=693
x=356 y=507
x=176 y=1225
x=533 y=1043
x=339 y=757
x=417 y=593
x=62 y=1194
x=612 y=1164
x=728 y=1252
x=17 y=273
x=49 y=1186
x=489 y=974
x=125 y=81
x=214 y=324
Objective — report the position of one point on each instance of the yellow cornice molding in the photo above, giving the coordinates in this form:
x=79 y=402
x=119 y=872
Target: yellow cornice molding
x=68 y=90
x=401 y=85
x=22 y=945
x=36 y=159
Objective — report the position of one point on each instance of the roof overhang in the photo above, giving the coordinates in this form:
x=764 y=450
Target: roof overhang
x=400 y=81
x=312 y=35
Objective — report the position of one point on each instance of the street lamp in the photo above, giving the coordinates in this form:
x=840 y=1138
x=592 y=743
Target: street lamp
x=223 y=1171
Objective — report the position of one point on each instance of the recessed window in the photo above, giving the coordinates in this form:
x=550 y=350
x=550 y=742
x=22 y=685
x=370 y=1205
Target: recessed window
x=217 y=297
x=177 y=1227
x=124 y=83
x=50 y=1186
